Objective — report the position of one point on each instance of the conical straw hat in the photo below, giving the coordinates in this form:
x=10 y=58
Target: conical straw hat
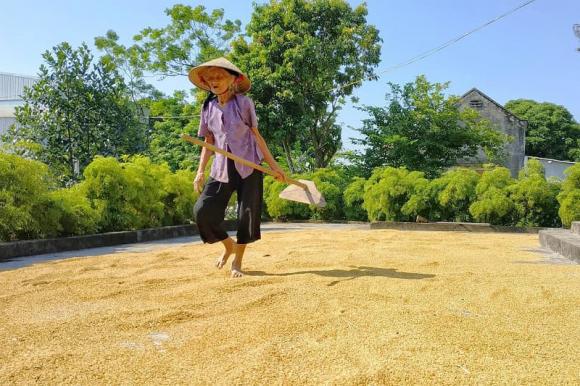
x=243 y=84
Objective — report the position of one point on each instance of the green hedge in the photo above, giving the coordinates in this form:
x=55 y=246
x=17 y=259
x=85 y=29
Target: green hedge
x=73 y=212
x=135 y=193
x=331 y=183
x=388 y=192
x=569 y=197
x=114 y=195
x=492 y=203
x=460 y=194
x=24 y=186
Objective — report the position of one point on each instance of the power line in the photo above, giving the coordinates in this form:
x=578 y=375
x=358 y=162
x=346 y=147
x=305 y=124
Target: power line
x=173 y=116
x=444 y=45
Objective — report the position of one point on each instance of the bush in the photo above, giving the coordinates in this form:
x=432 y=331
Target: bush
x=23 y=188
x=114 y=196
x=107 y=187
x=534 y=198
x=129 y=195
x=493 y=204
x=446 y=198
x=456 y=194
x=353 y=200
x=72 y=211
x=279 y=208
x=136 y=193
x=388 y=190
x=146 y=181
x=330 y=183
x=179 y=197
x=569 y=197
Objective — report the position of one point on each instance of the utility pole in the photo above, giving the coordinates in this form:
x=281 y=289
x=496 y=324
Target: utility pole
x=576 y=29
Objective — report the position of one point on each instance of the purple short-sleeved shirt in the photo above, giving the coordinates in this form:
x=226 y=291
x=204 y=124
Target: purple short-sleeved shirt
x=231 y=128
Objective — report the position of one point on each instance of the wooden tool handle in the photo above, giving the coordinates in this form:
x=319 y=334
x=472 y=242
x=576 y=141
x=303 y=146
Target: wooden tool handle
x=211 y=147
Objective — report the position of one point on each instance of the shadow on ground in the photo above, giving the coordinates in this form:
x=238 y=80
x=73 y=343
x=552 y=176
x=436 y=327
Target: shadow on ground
x=350 y=274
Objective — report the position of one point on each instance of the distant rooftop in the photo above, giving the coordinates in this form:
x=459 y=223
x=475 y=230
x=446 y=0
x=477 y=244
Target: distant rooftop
x=12 y=85
x=550 y=160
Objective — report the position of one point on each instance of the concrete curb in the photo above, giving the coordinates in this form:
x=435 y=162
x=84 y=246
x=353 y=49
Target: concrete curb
x=320 y=222
x=575 y=227
x=562 y=242
x=42 y=246
x=451 y=226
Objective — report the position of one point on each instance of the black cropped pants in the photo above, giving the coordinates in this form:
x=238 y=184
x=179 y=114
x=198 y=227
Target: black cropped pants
x=209 y=210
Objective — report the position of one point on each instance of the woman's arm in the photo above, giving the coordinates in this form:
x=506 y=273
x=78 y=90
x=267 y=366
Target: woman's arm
x=268 y=156
x=203 y=160
x=205 y=154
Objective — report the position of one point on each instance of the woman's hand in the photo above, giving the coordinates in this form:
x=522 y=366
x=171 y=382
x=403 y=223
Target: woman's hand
x=199 y=182
x=280 y=176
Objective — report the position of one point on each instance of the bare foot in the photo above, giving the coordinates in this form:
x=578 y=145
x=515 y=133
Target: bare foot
x=237 y=268
x=223 y=259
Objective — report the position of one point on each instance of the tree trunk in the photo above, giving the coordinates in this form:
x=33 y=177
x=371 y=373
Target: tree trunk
x=288 y=157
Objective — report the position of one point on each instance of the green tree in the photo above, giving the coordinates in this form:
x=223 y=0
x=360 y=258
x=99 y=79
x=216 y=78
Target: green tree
x=422 y=129
x=304 y=59
x=552 y=131
x=76 y=110
x=165 y=142
x=192 y=36
x=127 y=61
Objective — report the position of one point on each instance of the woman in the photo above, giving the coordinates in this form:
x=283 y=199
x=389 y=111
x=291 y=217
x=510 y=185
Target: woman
x=228 y=121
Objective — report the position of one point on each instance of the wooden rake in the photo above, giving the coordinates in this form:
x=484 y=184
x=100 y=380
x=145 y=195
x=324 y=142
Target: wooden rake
x=301 y=190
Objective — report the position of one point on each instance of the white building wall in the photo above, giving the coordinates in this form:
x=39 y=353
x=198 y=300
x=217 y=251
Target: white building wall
x=11 y=90
x=552 y=167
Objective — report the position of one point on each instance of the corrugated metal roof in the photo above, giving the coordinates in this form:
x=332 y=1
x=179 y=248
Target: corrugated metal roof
x=12 y=85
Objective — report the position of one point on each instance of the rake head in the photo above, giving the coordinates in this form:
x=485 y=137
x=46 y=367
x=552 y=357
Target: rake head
x=308 y=195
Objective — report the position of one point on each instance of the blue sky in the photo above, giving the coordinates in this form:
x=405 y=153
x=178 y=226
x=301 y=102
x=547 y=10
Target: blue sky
x=529 y=54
